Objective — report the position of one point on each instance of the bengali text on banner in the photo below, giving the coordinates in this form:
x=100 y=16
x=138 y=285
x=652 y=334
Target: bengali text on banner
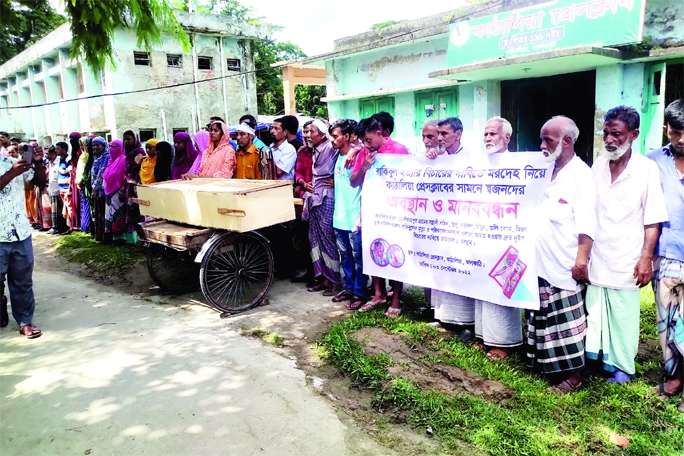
x=463 y=224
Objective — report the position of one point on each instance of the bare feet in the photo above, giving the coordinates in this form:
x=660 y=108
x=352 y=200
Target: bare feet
x=497 y=354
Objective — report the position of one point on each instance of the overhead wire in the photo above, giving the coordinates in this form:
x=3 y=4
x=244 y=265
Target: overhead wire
x=242 y=73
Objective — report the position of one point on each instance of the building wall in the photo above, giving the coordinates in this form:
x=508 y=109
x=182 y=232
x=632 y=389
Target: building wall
x=405 y=68
x=45 y=74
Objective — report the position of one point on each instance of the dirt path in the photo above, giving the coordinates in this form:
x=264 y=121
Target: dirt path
x=123 y=369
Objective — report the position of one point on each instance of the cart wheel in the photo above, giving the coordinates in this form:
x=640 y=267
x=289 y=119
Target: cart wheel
x=237 y=272
x=173 y=271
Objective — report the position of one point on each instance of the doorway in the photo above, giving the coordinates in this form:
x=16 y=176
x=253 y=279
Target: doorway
x=529 y=103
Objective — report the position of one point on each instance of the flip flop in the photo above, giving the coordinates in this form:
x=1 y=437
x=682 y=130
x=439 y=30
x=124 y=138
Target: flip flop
x=342 y=296
x=315 y=288
x=354 y=304
x=664 y=394
x=393 y=312
x=619 y=377
x=33 y=332
x=329 y=292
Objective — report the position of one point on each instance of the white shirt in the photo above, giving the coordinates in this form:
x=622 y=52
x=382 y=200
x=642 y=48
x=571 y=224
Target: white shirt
x=53 y=178
x=567 y=210
x=14 y=224
x=623 y=208
x=285 y=158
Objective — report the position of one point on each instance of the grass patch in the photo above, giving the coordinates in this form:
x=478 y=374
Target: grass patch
x=648 y=328
x=81 y=248
x=267 y=336
x=532 y=422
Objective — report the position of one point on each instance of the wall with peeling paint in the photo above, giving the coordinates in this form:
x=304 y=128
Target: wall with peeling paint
x=43 y=73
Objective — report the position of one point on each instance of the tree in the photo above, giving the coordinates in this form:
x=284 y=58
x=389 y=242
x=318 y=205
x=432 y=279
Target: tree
x=23 y=23
x=93 y=23
x=309 y=101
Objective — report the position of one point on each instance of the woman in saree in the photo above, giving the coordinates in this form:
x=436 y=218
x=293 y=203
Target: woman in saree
x=100 y=159
x=218 y=160
x=121 y=176
x=185 y=155
x=82 y=181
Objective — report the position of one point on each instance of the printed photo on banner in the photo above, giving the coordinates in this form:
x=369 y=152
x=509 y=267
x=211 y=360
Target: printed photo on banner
x=464 y=224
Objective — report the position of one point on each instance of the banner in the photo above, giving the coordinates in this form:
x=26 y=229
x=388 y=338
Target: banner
x=463 y=224
x=558 y=24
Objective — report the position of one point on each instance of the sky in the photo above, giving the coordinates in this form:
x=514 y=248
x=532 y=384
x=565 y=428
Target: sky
x=315 y=25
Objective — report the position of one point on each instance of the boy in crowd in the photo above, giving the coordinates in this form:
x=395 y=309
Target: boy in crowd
x=372 y=135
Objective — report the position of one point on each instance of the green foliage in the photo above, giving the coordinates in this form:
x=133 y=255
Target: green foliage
x=23 y=23
x=382 y=25
x=648 y=328
x=82 y=248
x=533 y=421
x=308 y=99
x=94 y=22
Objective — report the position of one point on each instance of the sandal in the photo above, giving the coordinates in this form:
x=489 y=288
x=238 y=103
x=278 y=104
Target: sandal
x=342 y=296
x=370 y=305
x=329 y=292
x=479 y=346
x=565 y=387
x=318 y=287
x=497 y=354
x=662 y=394
x=393 y=312
x=31 y=332
x=354 y=304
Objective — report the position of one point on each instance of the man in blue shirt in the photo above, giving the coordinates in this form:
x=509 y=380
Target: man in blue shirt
x=668 y=266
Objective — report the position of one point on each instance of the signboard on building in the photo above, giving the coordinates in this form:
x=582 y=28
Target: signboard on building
x=463 y=223
x=549 y=26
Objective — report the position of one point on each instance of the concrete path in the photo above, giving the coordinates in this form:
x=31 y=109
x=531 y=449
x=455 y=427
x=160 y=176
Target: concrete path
x=115 y=374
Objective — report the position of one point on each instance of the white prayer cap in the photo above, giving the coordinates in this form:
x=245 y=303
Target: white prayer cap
x=246 y=128
x=322 y=127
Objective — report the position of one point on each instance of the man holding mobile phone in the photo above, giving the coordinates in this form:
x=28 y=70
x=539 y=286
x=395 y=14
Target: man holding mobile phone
x=16 y=250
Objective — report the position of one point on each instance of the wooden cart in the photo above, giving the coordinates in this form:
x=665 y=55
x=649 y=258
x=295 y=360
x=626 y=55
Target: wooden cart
x=205 y=234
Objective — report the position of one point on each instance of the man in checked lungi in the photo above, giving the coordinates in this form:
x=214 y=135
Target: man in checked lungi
x=567 y=226
x=668 y=264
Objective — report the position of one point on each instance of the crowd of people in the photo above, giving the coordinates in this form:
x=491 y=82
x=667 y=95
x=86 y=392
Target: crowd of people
x=606 y=231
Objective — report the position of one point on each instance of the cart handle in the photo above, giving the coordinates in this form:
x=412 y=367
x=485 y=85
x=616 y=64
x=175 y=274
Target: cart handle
x=233 y=212
x=139 y=201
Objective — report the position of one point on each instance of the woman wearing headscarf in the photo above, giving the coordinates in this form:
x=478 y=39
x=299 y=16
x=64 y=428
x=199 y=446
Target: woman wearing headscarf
x=148 y=162
x=185 y=155
x=100 y=159
x=201 y=139
x=121 y=177
x=82 y=181
x=165 y=159
x=72 y=198
x=218 y=160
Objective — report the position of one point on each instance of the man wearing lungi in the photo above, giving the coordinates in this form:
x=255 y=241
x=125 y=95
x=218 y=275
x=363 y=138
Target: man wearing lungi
x=499 y=328
x=668 y=265
x=567 y=226
x=630 y=207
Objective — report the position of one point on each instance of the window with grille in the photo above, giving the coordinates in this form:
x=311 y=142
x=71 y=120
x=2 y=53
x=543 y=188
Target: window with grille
x=142 y=58
x=179 y=130
x=147 y=134
x=204 y=63
x=233 y=64
x=174 y=61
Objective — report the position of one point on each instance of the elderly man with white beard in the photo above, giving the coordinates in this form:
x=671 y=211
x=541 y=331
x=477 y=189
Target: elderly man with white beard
x=498 y=328
x=567 y=226
x=630 y=208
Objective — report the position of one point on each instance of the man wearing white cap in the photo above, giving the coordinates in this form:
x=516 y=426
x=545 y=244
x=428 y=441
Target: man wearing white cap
x=247 y=154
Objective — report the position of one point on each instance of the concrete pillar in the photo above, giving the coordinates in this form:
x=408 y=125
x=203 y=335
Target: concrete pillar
x=24 y=99
x=52 y=113
x=70 y=112
x=37 y=92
